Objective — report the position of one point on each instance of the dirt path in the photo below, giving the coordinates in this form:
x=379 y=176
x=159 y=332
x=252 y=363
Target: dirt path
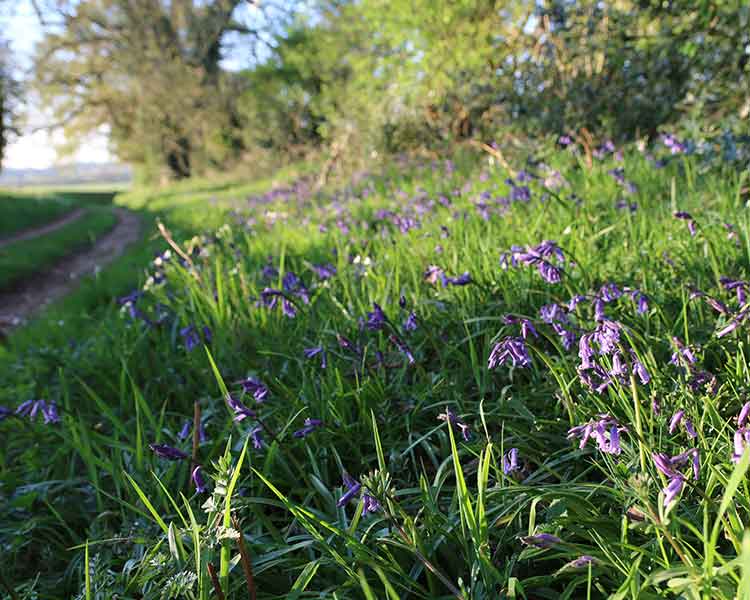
x=28 y=234
x=22 y=301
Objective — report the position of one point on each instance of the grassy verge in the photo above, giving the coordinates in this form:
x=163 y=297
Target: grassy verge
x=448 y=382
x=23 y=211
x=23 y=259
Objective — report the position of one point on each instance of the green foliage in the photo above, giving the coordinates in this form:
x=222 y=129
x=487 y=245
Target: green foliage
x=87 y=509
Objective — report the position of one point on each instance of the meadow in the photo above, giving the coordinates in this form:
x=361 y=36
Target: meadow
x=443 y=379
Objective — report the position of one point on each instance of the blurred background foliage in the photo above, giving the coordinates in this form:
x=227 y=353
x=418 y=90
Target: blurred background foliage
x=350 y=80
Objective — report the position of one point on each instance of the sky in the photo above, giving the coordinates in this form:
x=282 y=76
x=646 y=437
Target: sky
x=37 y=149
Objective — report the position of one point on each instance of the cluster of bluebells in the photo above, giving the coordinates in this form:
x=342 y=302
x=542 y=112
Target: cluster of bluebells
x=353 y=487
x=604 y=430
x=34 y=409
x=547 y=257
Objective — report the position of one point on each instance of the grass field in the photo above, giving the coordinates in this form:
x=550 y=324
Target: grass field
x=442 y=381
x=24 y=211
x=22 y=259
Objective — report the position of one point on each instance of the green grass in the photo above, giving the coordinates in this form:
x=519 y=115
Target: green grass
x=23 y=259
x=450 y=521
x=24 y=211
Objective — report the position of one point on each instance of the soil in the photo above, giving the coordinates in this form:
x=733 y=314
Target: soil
x=22 y=301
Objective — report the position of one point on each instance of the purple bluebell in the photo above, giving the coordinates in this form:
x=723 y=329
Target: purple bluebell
x=376 y=319
x=552 y=312
x=527 y=329
x=581 y=562
x=190 y=337
x=352 y=489
x=369 y=504
x=31 y=408
x=198 y=481
x=168 y=452
x=540 y=540
x=254 y=386
x=256 y=437
x=510 y=461
x=599 y=314
x=575 y=301
x=315 y=351
x=433 y=274
x=411 y=323
x=461 y=280
x=683 y=355
x=567 y=337
x=673 y=489
x=610 y=292
x=403 y=348
x=640 y=369
x=685 y=216
x=324 y=271
x=292 y=284
x=402 y=301
x=449 y=417
x=5 y=412
x=185 y=431
x=744 y=413
x=309 y=426
x=347 y=344
x=598 y=429
x=676 y=419
x=238 y=408
x=511 y=349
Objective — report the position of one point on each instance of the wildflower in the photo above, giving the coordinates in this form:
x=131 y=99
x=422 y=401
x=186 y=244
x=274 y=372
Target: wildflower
x=325 y=271
x=741 y=442
x=510 y=348
x=639 y=369
x=685 y=216
x=510 y=461
x=598 y=429
x=369 y=504
x=197 y=477
x=575 y=301
x=190 y=337
x=683 y=355
x=411 y=323
x=315 y=351
x=568 y=337
x=610 y=292
x=552 y=312
x=540 y=540
x=31 y=408
x=433 y=274
x=347 y=344
x=461 y=280
x=599 y=310
x=527 y=328
x=676 y=419
x=403 y=348
x=292 y=284
x=251 y=385
x=451 y=418
x=376 y=319
x=238 y=408
x=402 y=301
x=256 y=437
x=168 y=452
x=744 y=412
x=581 y=562
x=5 y=412
x=673 y=489
x=641 y=301
x=352 y=489
x=310 y=426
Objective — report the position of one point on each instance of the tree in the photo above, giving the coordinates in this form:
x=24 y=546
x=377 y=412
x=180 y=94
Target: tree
x=9 y=95
x=150 y=71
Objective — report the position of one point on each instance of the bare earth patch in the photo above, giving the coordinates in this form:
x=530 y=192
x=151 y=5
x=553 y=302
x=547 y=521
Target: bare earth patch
x=31 y=296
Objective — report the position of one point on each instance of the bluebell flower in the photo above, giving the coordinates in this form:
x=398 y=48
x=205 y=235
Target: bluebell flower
x=254 y=386
x=461 y=280
x=315 y=351
x=511 y=349
x=369 y=504
x=352 y=489
x=238 y=408
x=256 y=437
x=198 y=481
x=168 y=452
x=309 y=426
x=411 y=323
x=325 y=271
x=190 y=337
x=540 y=540
x=403 y=348
x=376 y=319
x=510 y=461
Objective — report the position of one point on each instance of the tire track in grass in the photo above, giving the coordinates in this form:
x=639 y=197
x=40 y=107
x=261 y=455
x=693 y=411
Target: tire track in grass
x=21 y=302
x=28 y=234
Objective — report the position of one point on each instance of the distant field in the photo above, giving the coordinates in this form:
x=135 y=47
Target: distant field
x=23 y=259
x=22 y=211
